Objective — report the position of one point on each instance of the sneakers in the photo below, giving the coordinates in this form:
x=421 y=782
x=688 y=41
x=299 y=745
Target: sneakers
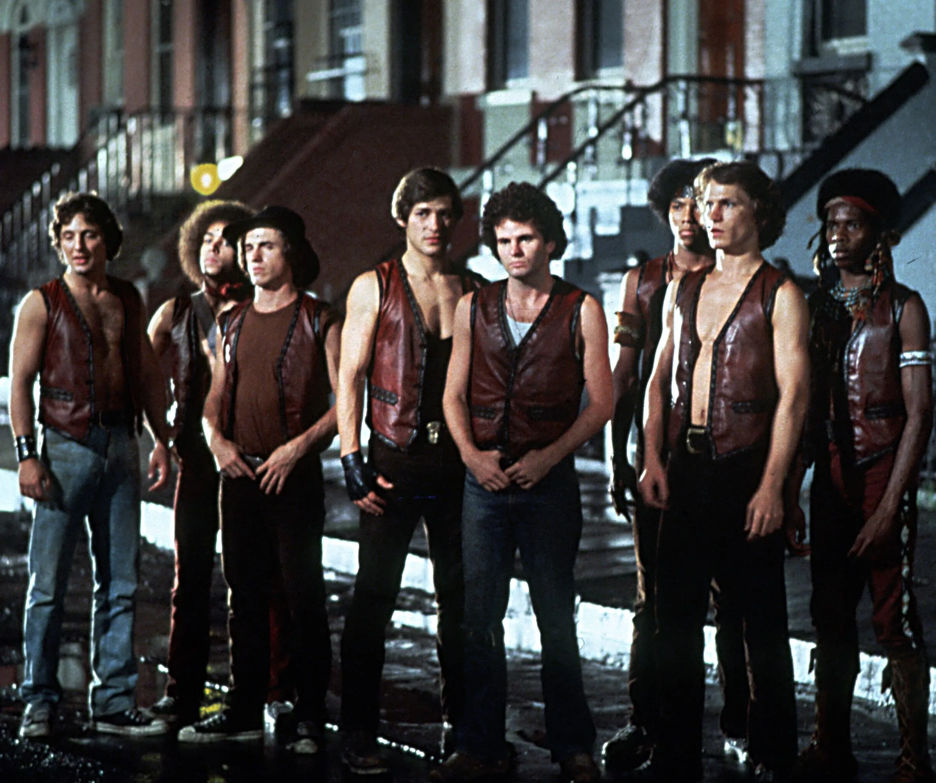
x=37 y=720
x=628 y=749
x=132 y=723
x=361 y=754
x=174 y=711
x=310 y=739
x=736 y=749
x=580 y=767
x=463 y=767
x=220 y=727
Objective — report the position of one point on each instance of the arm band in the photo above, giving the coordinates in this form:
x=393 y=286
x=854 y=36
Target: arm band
x=26 y=448
x=629 y=330
x=909 y=358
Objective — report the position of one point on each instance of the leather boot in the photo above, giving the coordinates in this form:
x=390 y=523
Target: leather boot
x=829 y=755
x=910 y=686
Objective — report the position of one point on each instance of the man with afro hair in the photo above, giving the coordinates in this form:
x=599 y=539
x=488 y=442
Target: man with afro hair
x=525 y=350
x=869 y=423
x=184 y=332
x=733 y=352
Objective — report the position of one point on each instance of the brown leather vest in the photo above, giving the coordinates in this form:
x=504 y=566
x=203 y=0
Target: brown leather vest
x=524 y=398
x=66 y=381
x=861 y=377
x=651 y=292
x=398 y=358
x=187 y=369
x=742 y=388
x=301 y=372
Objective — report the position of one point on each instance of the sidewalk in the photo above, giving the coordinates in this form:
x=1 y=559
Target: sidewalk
x=606 y=576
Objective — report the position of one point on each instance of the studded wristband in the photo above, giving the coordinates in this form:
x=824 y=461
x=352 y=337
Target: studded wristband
x=25 y=448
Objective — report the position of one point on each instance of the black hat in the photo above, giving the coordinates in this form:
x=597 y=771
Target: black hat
x=868 y=189
x=306 y=266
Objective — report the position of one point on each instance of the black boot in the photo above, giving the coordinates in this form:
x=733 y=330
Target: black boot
x=829 y=755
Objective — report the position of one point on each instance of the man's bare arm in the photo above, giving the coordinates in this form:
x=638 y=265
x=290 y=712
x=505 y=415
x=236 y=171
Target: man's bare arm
x=357 y=341
x=279 y=465
x=916 y=385
x=624 y=379
x=226 y=453
x=536 y=463
x=160 y=328
x=653 y=485
x=484 y=465
x=791 y=365
x=25 y=363
x=154 y=406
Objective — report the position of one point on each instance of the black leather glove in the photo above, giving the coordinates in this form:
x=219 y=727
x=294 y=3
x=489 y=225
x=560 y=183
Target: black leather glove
x=623 y=479
x=359 y=477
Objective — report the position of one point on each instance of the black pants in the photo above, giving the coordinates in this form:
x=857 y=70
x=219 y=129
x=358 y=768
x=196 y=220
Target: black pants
x=729 y=639
x=260 y=534
x=428 y=485
x=196 y=531
x=702 y=538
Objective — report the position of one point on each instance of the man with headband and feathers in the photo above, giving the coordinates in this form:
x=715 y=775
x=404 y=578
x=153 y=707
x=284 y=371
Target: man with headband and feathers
x=870 y=419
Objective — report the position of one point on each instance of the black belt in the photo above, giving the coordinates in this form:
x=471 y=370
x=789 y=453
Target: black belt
x=110 y=418
x=254 y=461
x=698 y=441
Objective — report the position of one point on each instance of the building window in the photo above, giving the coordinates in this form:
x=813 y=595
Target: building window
x=600 y=36
x=843 y=19
x=163 y=96
x=345 y=48
x=113 y=53
x=509 y=42
x=278 y=40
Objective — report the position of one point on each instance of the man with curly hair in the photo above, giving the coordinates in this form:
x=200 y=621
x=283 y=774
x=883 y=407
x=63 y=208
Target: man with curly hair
x=733 y=352
x=83 y=335
x=525 y=350
x=396 y=342
x=870 y=420
x=184 y=333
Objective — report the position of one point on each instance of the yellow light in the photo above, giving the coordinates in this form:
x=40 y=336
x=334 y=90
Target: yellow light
x=205 y=178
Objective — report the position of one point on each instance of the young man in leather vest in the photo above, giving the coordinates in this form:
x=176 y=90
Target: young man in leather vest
x=640 y=321
x=265 y=438
x=83 y=336
x=184 y=333
x=733 y=350
x=397 y=341
x=525 y=350
x=869 y=423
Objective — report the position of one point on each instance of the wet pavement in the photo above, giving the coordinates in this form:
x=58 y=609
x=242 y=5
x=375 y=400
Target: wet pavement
x=411 y=720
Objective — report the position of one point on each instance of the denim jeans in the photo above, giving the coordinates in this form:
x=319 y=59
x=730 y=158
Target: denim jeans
x=98 y=479
x=545 y=522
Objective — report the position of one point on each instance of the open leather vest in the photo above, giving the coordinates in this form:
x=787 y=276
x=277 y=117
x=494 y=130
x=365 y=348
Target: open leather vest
x=187 y=369
x=66 y=380
x=524 y=398
x=651 y=292
x=301 y=370
x=742 y=382
x=858 y=371
x=396 y=377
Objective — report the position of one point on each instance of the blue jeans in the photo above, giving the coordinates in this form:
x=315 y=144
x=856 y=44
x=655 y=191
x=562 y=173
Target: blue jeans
x=98 y=479
x=545 y=522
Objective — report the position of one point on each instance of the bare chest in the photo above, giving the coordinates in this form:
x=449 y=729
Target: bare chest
x=103 y=313
x=436 y=301
x=717 y=302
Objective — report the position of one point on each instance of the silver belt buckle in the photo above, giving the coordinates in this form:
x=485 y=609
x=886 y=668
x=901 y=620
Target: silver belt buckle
x=690 y=432
x=432 y=431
